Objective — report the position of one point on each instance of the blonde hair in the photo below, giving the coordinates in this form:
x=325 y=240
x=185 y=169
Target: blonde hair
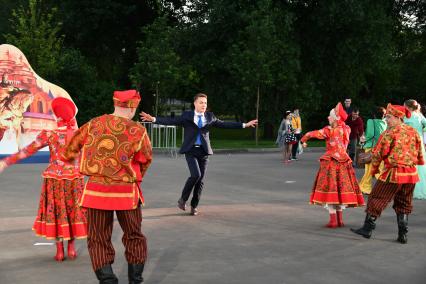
x=411 y=104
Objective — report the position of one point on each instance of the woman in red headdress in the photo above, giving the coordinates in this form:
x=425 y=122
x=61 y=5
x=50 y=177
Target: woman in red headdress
x=59 y=216
x=335 y=186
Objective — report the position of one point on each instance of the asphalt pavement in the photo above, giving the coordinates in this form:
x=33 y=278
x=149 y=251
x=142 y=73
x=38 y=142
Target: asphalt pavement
x=255 y=226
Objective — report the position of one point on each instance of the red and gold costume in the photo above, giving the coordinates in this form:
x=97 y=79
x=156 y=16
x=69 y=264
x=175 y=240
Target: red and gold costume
x=399 y=147
x=115 y=154
x=59 y=215
x=335 y=183
x=400 y=159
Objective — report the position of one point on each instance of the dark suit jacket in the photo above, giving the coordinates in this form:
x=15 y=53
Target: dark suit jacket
x=186 y=120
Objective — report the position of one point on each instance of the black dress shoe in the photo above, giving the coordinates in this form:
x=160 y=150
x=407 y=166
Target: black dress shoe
x=181 y=204
x=194 y=211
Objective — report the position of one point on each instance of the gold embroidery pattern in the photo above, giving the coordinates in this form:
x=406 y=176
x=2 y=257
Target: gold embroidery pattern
x=110 y=147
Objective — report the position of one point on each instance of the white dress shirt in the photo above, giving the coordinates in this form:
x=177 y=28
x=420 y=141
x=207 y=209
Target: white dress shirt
x=196 y=117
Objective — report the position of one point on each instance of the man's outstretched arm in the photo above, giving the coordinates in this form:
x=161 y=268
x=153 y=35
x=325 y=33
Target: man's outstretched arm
x=161 y=120
x=224 y=124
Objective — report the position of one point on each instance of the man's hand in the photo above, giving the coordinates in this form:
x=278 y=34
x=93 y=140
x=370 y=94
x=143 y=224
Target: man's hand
x=3 y=165
x=304 y=144
x=146 y=117
x=251 y=123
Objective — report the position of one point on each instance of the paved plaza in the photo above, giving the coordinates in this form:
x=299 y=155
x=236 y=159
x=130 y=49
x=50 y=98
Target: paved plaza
x=255 y=226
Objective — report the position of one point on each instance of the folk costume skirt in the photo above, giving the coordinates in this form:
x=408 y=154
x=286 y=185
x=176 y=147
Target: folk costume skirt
x=336 y=184
x=59 y=215
x=366 y=182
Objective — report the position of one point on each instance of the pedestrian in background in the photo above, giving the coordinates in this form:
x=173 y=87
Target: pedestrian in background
x=286 y=137
x=296 y=123
x=347 y=106
x=375 y=127
x=356 y=124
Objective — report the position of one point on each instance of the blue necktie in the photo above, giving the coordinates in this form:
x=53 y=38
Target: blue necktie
x=200 y=125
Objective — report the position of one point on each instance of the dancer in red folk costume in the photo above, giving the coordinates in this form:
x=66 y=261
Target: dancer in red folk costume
x=335 y=186
x=400 y=148
x=59 y=215
x=115 y=154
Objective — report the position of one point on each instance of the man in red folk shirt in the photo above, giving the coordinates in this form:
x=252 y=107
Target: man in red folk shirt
x=399 y=147
x=356 y=124
x=115 y=155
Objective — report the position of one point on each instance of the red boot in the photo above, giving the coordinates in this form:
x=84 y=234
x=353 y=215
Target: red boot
x=340 y=219
x=72 y=254
x=59 y=251
x=333 y=221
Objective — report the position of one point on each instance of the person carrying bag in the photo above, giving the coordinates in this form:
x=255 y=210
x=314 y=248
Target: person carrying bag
x=375 y=126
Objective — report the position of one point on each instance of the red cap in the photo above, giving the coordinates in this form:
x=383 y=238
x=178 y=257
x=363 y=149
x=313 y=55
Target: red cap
x=340 y=111
x=128 y=99
x=64 y=108
x=398 y=111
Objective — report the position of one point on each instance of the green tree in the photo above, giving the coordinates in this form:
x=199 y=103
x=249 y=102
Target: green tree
x=92 y=95
x=106 y=33
x=347 y=50
x=411 y=38
x=6 y=10
x=37 y=33
x=159 y=69
x=265 y=58
x=238 y=46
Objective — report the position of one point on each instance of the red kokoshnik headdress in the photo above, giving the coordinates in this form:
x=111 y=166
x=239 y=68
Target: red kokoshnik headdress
x=66 y=110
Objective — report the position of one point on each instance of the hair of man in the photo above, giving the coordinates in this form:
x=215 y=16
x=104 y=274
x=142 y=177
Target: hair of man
x=199 y=95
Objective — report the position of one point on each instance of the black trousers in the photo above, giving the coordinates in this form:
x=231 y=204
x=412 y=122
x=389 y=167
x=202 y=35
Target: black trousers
x=296 y=146
x=352 y=148
x=197 y=160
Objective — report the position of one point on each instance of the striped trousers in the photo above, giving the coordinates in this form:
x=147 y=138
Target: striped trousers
x=100 y=224
x=384 y=192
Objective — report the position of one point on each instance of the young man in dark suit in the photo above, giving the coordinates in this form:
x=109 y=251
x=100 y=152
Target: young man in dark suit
x=196 y=144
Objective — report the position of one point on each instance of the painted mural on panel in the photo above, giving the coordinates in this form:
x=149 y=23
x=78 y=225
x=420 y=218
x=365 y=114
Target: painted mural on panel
x=25 y=101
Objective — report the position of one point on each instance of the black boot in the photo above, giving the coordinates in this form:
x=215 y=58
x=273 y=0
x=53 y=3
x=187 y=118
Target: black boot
x=135 y=273
x=106 y=276
x=367 y=229
x=402 y=220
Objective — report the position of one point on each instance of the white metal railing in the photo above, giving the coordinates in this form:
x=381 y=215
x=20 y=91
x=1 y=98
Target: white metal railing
x=162 y=137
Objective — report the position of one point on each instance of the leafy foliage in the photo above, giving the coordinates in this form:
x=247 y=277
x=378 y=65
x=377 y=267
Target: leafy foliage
x=37 y=34
x=301 y=53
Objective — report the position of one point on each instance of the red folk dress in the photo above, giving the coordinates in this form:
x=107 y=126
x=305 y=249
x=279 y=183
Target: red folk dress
x=335 y=183
x=59 y=215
